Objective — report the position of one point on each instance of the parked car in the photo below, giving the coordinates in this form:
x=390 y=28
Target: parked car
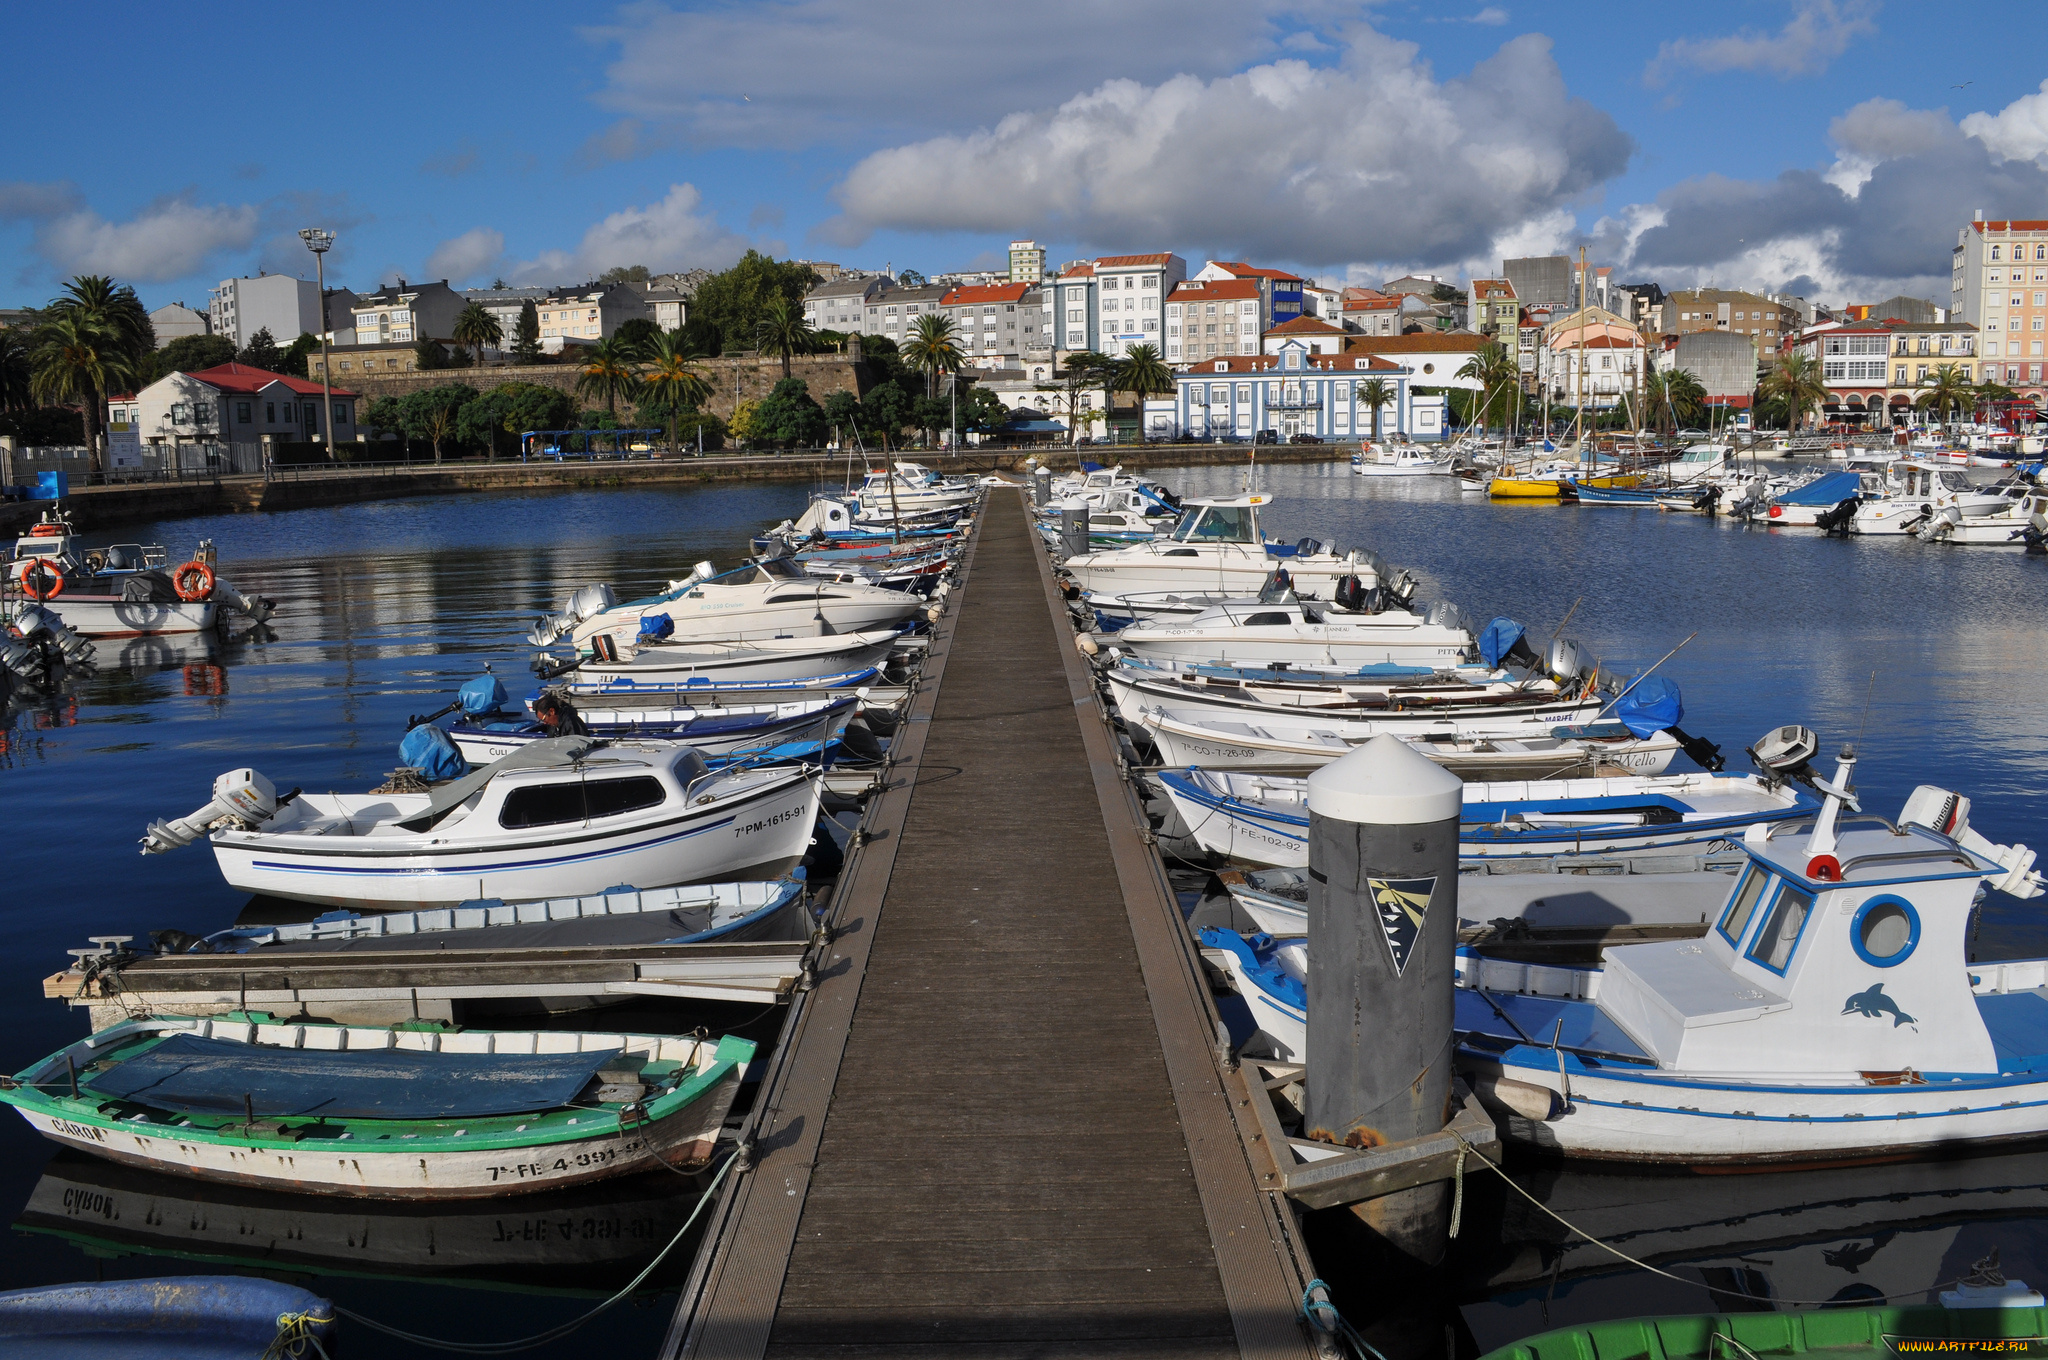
x=1306 y=439
x=1266 y=437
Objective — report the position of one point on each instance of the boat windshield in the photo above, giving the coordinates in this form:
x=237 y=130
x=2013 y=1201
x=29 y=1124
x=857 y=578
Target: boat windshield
x=761 y=574
x=1956 y=481
x=1217 y=524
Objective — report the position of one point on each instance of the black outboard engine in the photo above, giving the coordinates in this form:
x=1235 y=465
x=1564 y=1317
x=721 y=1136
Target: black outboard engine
x=1708 y=501
x=1352 y=595
x=1699 y=750
x=1835 y=523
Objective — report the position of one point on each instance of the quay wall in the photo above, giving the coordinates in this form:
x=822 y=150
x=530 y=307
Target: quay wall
x=296 y=488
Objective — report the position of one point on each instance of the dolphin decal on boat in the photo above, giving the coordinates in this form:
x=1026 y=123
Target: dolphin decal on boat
x=1872 y=1002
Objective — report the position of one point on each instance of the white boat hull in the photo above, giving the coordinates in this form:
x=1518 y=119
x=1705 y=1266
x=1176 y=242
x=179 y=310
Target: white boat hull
x=107 y=618
x=1500 y=755
x=1342 y=647
x=792 y=659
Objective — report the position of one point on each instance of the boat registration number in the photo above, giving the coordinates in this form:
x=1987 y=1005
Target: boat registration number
x=773 y=819
x=526 y=1171
x=65 y=1126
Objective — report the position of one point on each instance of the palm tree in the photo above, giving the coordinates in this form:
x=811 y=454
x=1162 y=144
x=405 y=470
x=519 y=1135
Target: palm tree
x=783 y=331
x=1375 y=393
x=1143 y=372
x=1796 y=380
x=116 y=310
x=1493 y=370
x=15 y=372
x=1684 y=398
x=75 y=361
x=1949 y=390
x=608 y=373
x=668 y=378
x=477 y=329
x=930 y=350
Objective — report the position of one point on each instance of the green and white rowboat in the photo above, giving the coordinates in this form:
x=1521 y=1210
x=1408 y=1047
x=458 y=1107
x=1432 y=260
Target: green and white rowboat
x=415 y=1111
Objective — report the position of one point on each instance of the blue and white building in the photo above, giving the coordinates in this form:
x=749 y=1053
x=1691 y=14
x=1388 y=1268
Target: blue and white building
x=1292 y=392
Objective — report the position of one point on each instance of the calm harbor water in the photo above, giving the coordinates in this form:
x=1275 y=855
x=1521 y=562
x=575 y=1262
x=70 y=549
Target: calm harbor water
x=1936 y=657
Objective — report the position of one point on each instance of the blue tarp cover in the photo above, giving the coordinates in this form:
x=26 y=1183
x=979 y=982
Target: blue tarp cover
x=430 y=751
x=179 y=1317
x=656 y=626
x=212 y=1076
x=1087 y=466
x=1497 y=639
x=1831 y=489
x=1650 y=707
x=482 y=695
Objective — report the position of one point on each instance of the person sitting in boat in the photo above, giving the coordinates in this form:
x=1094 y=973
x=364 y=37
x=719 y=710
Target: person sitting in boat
x=559 y=716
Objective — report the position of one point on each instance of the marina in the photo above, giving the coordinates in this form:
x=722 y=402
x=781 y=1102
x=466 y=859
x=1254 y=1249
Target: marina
x=988 y=858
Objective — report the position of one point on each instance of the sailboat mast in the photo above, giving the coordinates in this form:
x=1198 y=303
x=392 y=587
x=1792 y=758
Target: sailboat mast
x=1579 y=367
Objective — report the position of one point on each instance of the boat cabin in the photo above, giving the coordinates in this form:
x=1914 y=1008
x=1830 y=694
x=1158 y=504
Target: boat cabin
x=1838 y=948
x=1235 y=520
x=610 y=780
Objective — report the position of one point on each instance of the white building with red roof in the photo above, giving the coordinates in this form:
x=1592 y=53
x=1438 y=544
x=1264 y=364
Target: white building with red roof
x=1280 y=291
x=999 y=325
x=1212 y=317
x=1318 y=335
x=1294 y=393
x=235 y=404
x=1114 y=302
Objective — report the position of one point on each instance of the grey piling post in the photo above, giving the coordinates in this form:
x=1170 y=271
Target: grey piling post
x=1382 y=939
x=1041 y=487
x=1073 y=531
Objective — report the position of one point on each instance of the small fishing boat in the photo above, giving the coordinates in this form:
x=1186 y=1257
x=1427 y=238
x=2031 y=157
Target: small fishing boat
x=408 y=1112
x=1109 y=529
x=1804 y=505
x=487 y=735
x=1271 y=976
x=700 y=690
x=1297 y=631
x=911 y=487
x=2021 y=522
x=1831 y=1013
x=125 y=590
x=773 y=598
x=1295 y=744
x=1217 y=546
x=558 y=818
x=1401 y=460
x=1262 y=819
x=1402 y=701
x=1987 y=1319
x=786 y=660
x=1916 y=492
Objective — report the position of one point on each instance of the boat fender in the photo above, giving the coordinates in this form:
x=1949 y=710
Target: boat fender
x=1523 y=1098
x=1085 y=644
x=40 y=578
x=193 y=581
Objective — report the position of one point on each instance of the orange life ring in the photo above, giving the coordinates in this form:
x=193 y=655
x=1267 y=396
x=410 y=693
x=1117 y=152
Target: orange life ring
x=193 y=593
x=46 y=531
x=40 y=569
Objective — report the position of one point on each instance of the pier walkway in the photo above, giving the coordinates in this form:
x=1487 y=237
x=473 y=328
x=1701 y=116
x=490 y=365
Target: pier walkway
x=997 y=1126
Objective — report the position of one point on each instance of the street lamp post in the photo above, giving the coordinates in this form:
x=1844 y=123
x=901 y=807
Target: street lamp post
x=320 y=242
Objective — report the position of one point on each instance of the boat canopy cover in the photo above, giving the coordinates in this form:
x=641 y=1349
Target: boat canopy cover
x=654 y=627
x=534 y=755
x=1087 y=466
x=1497 y=639
x=1650 y=707
x=1829 y=489
x=482 y=695
x=218 y=1076
x=430 y=751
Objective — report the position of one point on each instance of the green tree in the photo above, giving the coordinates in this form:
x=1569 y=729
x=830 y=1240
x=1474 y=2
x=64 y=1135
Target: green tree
x=742 y=426
x=982 y=411
x=733 y=302
x=1795 y=381
x=433 y=414
x=703 y=337
x=887 y=409
x=910 y=278
x=1376 y=393
x=77 y=361
x=784 y=331
x=669 y=381
x=1496 y=375
x=625 y=273
x=292 y=361
x=1673 y=398
x=607 y=373
x=842 y=413
x=931 y=414
x=15 y=372
x=429 y=354
x=115 y=310
x=526 y=334
x=638 y=335
x=261 y=352
x=478 y=330
x=386 y=415
x=1143 y=372
x=930 y=350
x=187 y=354
x=789 y=415
x=481 y=422
x=1074 y=381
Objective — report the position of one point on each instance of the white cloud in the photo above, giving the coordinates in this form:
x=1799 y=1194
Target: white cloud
x=671 y=234
x=1372 y=159
x=1817 y=33
x=476 y=251
x=728 y=73
x=169 y=239
x=1492 y=14
x=2019 y=131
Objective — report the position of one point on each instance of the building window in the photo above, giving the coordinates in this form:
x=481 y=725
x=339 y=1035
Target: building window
x=341 y=413
x=241 y=413
x=270 y=413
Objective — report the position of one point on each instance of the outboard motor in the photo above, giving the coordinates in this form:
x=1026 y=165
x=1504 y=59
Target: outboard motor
x=1835 y=523
x=243 y=797
x=1654 y=705
x=1786 y=753
x=1401 y=593
x=256 y=608
x=1445 y=614
x=39 y=627
x=1279 y=587
x=1948 y=814
x=1351 y=594
x=1939 y=526
x=1708 y=500
x=1561 y=660
x=2034 y=535
x=590 y=601
x=1502 y=642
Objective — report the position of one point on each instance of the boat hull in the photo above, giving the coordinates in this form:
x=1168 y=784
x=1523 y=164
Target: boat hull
x=107 y=617
x=797 y=660
x=1279 y=750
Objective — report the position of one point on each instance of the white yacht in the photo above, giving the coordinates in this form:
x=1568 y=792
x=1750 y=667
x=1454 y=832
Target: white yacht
x=770 y=599
x=1217 y=546
x=1297 y=632
x=1401 y=460
x=1913 y=492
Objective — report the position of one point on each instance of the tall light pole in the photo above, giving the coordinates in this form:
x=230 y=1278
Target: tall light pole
x=320 y=242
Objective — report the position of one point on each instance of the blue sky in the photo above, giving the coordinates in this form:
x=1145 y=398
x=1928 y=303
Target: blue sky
x=1815 y=143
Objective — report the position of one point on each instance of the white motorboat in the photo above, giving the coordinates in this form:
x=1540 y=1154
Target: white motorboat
x=1913 y=492
x=738 y=729
x=1831 y=1013
x=791 y=659
x=1109 y=528
x=1217 y=546
x=1258 y=633
x=560 y=818
x=1297 y=742
x=2021 y=521
x=125 y=589
x=775 y=598
x=1396 y=703
x=911 y=488
x=1262 y=819
x=1271 y=975
x=1401 y=460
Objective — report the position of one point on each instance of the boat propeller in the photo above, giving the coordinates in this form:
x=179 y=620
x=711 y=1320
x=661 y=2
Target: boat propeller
x=240 y=797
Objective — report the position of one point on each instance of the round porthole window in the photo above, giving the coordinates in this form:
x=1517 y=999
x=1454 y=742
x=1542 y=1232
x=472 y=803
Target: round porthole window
x=1884 y=931
x=1429 y=368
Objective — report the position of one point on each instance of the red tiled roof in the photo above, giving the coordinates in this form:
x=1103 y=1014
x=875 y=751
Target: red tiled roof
x=1247 y=271
x=1126 y=261
x=1267 y=363
x=1492 y=288
x=1350 y=293
x=1982 y=227
x=1425 y=342
x=1373 y=304
x=989 y=292
x=1306 y=325
x=242 y=378
x=1078 y=271
x=1216 y=288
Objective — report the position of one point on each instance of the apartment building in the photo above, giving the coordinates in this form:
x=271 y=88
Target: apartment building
x=593 y=312
x=1208 y=318
x=842 y=305
x=284 y=306
x=175 y=321
x=999 y=325
x=1994 y=272
x=1073 y=308
x=1377 y=315
x=1027 y=262
x=1281 y=295
x=894 y=313
x=405 y=313
x=1767 y=323
x=504 y=305
x=1306 y=332
x=1131 y=293
x=1497 y=314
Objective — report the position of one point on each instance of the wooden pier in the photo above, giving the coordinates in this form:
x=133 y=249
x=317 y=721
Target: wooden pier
x=999 y=1124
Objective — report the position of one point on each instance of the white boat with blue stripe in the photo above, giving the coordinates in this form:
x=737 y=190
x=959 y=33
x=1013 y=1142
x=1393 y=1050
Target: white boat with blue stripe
x=560 y=818
x=1262 y=819
x=1830 y=1013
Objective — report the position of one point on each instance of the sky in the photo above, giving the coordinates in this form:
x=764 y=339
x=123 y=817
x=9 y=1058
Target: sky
x=1831 y=148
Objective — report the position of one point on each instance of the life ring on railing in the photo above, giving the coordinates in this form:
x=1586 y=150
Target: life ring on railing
x=192 y=593
x=40 y=569
x=46 y=531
